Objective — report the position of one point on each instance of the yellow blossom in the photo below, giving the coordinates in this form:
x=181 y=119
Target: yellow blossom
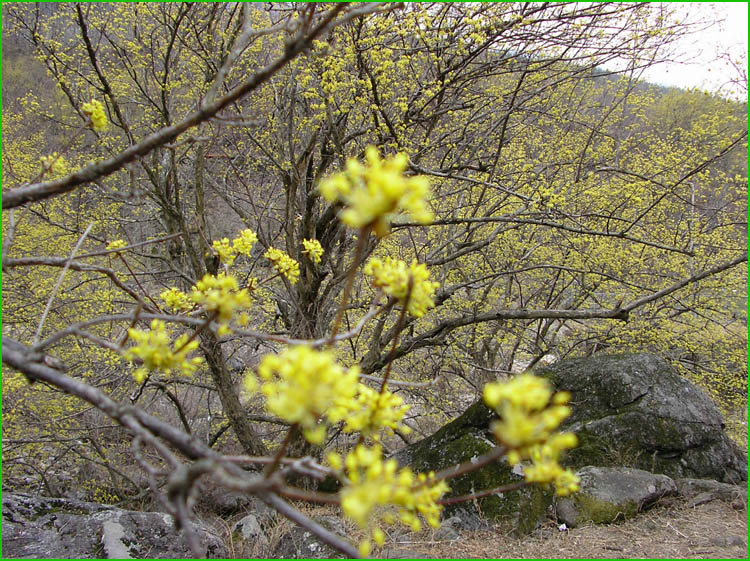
x=220 y=294
x=117 y=244
x=283 y=264
x=56 y=164
x=225 y=251
x=245 y=242
x=529 y=416
x=154 y=349
x=313 y=249
x=376 y=486
x=176 y=300
x=95 y=111
x=393 y=275
x=370 y=412
x=302 y=385
x=373 y=193
x=241 y=245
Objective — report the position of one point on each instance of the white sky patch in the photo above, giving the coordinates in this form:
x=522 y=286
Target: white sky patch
x=705 y=64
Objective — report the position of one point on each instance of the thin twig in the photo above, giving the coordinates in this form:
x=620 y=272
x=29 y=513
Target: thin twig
x=363 y=233
x=399 y=328
x=310 y=525
x=59 y=283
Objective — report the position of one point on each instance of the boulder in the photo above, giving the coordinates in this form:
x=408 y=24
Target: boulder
x=38 y=527
x=611 y=495
x=466 y=438
x=636 y=411
x=250 y=530
x=710 y=490
x=628 y=411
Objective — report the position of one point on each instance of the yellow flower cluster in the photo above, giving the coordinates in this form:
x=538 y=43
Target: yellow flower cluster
x=313 y=249
x=372 y=411
x=95 y=111
x=176 y=300
x=375 y=483
x=153 y=348
x=529 y=415
x=220 y=294
x=545 y=467
x=224 y=250
x=117 y=244
x=283 y=264
x=374 y=192
x=392 y=275
x=303 y=385
x=240 y=245
x=56 y=164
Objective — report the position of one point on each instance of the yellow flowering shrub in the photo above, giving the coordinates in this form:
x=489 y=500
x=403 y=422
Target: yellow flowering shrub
x=221 y=295
x=154 y=349
x=529 y=415
x=117 y=244
x=392 y=275
x=283 y=264
x=95 y=111
x=313 y=249
x=377 y=491
x=176 y=300
x=371 y=411
x=376 y=191
x=302 y=386
x=245 y=242
x=55 y=164
x=224 y=250
x=241 y=245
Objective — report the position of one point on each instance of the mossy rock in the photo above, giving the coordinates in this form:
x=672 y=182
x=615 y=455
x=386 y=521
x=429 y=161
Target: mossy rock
x=612 y=494
x=467 y=438
x=636 y=411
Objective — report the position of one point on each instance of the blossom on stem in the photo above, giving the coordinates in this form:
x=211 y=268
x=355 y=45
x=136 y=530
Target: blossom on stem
x=95 y=111
x=283 y=264
x=376 y=191
x=529 y=416
x=154 y=349
x=392 y=275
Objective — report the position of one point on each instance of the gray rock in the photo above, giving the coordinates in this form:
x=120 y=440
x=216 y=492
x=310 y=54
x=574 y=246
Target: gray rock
x=728 y=541
x=37 y=527
x=636 y=411
x=299 y=543
x=612 y=494
x=628 y=410
x=693 y=488
x=700 y=499
x=446 y=532
x=250 y=530
x=221 y=501
x=467 y=522
x=466 y=438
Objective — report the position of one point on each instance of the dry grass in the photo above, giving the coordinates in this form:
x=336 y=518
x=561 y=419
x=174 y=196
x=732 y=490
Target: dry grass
x=669 y=530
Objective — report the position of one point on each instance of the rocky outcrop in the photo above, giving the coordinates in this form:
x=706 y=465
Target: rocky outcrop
x=636 y=411
x=628 y=411
x=38 y=527
x=611 y=495
x=467 y=438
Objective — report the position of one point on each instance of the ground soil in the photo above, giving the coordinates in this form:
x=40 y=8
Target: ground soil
x=671 y=529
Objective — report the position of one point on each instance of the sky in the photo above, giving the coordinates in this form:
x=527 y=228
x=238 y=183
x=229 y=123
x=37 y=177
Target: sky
x=699 y=50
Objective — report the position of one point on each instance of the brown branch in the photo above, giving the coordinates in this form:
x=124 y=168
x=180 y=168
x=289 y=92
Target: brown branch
x=38 y=191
